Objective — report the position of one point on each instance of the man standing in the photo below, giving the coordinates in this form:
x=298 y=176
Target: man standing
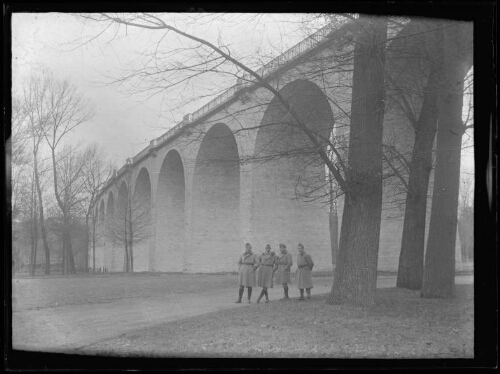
x=283 y=265
x=267 y=261
x=305 y=265
x=247 y=264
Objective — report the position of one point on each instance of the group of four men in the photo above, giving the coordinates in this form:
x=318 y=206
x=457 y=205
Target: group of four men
x=268 y=263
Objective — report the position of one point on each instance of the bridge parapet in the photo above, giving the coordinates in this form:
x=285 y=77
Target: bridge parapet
x=247 y=80
x=297 y=50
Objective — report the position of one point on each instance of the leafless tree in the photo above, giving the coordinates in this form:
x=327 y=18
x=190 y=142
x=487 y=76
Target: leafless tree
x=34 y=97
x=67 y=110
x=18 y=153
x=96 y=171
x=466 y=218
x=71 y=192
x=130 y=224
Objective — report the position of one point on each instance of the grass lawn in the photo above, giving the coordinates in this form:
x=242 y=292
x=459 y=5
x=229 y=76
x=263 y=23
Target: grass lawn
x=399 y=325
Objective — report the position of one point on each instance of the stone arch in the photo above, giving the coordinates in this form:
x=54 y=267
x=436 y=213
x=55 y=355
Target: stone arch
x=141 y=220
x=170 y=214
x=288 y=177
x=215 y=236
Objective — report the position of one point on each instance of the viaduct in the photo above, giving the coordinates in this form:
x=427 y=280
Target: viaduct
x=216 y=181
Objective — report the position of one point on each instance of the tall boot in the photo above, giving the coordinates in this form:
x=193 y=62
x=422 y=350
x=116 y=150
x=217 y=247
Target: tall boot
x=240 y=295
x=267 y=296
x=286 y=293
x=249 y=290
x=308 y=290
x=260 y=296
x=301 y=294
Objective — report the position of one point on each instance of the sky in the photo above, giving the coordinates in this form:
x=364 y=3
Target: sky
x=125 y=123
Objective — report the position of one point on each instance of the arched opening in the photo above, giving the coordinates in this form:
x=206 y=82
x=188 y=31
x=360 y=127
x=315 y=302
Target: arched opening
x=141 y=221
x=288 y=176
x=110 y=216
x=216 y=239
x=170 y=215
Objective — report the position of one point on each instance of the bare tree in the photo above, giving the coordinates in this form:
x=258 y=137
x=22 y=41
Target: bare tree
x=67 y=110
x=32 y=224
x=96 y=171
x=18 y=153
x=71 y=192
x=34 y=98
x=466 y=219
x=130 y=224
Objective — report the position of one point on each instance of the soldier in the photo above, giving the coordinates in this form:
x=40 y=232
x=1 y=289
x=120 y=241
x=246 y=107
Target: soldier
x=283 y=265
x=247 y=265
x=267 y=261
x=305 y=265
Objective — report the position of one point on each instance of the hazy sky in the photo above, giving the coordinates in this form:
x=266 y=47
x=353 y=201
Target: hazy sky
x=124 y=124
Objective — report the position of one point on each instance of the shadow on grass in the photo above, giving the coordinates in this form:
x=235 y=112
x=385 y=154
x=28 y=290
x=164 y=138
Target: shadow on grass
x=401 y=324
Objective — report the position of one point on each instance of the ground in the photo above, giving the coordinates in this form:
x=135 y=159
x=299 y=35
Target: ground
x=173 y=315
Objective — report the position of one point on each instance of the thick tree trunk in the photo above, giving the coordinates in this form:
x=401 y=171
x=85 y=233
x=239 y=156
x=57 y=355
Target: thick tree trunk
x=411 y=259
x=439 y=273
x=355 y=279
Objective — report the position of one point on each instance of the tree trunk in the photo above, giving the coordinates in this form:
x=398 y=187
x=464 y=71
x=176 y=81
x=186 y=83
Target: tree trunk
x=72 y=268
x=64 y=269
x=34 y=244
x=93 y=242
x=131 y=242
x=33 y=228
x=411 y=258
x=87 y=244
x=439 y=273
x=68 y=247
x=42 y=218
x=334 y=234
x=355 y=279
x=131 y=260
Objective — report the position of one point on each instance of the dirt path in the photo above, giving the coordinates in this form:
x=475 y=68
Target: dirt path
x=68 y=328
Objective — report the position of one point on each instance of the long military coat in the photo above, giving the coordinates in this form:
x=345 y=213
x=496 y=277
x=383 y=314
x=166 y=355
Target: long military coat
x=267 y=262
x=304 y=267
x=284 y=263
x=247 y=264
